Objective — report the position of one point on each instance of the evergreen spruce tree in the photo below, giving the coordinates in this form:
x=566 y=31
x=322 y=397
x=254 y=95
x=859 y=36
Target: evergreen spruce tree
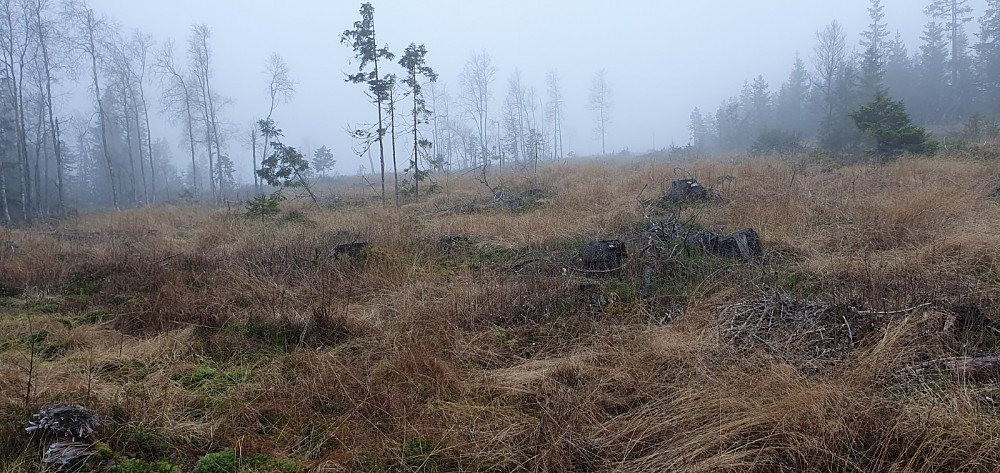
x=886 y=122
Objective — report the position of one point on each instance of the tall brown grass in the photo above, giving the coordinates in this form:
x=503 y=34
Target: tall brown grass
x=457 y=342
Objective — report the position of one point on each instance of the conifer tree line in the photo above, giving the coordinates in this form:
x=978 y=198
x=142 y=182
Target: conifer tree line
x=951 y=78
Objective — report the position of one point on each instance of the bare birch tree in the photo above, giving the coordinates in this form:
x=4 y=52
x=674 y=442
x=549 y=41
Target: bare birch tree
x=280 y=88
x=554 y=111
x=200 y=57
x=89 y=29
x=45 y=34
x=476 y=78
x=178 y=100
x=601 y=103
x=15 y=45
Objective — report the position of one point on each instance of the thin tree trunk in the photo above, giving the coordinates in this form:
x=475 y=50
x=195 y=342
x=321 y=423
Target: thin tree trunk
x=215 y=138
x=100 y=108
x=392 y=125
x=604 y=150
x=22 y=137
x=381 y=130
x=149 y=146
x=208 y=144
x=191 y=141
x=39 y=144
x=253 y=144
x=416 y=168
x=128 y=144
x=538 y=134
x=48 y=177
x=500 y=150
x=53 y=127
x=305 y=185
x=3 y=193
x=142 y=160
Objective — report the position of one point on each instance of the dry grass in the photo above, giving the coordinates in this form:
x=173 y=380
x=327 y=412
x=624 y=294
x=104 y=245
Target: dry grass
x=456 y=342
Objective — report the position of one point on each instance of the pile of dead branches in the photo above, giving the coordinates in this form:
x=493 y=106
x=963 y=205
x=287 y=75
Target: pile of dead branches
x=796 y=330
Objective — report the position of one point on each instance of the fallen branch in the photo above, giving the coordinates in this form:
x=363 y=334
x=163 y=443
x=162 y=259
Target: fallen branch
x=593 y=271
x=888 y=312
x=164 y=260
x=962 y=367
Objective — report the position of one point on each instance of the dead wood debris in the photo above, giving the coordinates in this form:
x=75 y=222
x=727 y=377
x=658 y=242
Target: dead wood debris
x=794 y=329
x=68 y=430
x=744 y=244
x=502 y=200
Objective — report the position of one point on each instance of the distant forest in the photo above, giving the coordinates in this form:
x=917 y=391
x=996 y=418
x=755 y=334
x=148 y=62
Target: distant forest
x=54 y=159
x=949 y=84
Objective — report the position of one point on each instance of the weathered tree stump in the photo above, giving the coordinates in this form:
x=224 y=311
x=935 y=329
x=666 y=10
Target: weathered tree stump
x=67 y=456
x=68 y=430
x=63 y=421
x=350 y=250
x=687 y=190
x=605 y=255
x=742 y=244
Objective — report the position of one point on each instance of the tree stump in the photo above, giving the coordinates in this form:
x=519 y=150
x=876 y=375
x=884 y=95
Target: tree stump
x=350 y=250
x=604 y=255
x=687 y=190
x=68 y=430
x=743 y=245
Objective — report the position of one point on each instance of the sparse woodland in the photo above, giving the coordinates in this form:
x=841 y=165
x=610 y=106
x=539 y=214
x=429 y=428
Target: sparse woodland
x=444 y=318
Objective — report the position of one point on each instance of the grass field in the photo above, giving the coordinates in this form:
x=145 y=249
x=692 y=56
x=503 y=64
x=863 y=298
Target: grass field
x=462 y=339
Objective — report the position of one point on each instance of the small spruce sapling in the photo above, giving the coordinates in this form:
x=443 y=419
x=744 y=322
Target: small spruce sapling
x=286 y=166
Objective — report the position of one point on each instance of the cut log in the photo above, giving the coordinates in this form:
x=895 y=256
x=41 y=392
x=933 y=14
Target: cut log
x=974 y=368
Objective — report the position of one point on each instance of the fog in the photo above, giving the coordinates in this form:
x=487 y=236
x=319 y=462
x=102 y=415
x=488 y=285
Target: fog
x=662 y=58
x=691 y=79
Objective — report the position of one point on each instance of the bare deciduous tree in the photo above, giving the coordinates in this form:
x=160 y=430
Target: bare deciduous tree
x=280 y=88
x=555 y=110
x=178 y=100
x=200 y=55
x=89 y=29
x=829 y=59
x=140 y=47
x=15 y=46
x=44 y=31
x=476 y=79
x=601 y=103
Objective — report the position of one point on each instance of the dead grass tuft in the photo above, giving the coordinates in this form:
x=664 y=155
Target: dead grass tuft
x=467 y=341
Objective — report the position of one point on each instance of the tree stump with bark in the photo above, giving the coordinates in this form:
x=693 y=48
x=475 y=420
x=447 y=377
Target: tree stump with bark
x=604 y=255
x=742 y=245
x=687 y=190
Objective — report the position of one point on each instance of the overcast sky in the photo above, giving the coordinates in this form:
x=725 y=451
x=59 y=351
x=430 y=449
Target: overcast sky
x=663 y=58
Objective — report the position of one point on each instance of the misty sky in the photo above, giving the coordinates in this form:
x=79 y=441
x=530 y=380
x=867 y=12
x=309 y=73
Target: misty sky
x=663 y=58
